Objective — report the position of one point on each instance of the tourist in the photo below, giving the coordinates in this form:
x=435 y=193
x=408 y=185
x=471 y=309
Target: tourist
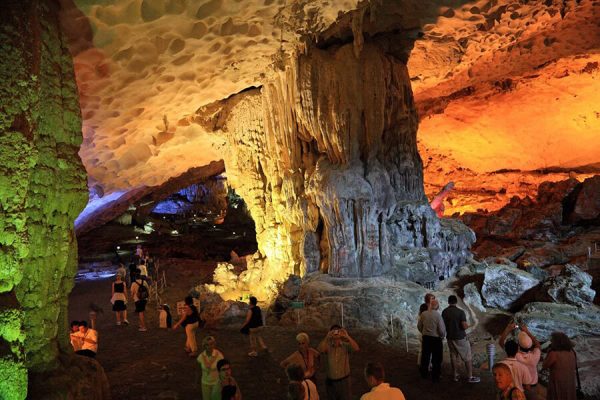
x=455 y=321
x=529 y=354
x=305 y=356
x=504 y=383
x=422 y=308
x=139 y=253
x=431 y=325
x=296 y=391
x=208 y=360
x=338 y=346
x=121 y=270
x=139 y=292
x=295 y=373
x=119 y=299
x=562 y=363
x=143 y=271
x=226 y=382
x=375 y=376
x=253 y=326
x=74 y=335
x=89 y=340
x=190 y=321
x=520 y=372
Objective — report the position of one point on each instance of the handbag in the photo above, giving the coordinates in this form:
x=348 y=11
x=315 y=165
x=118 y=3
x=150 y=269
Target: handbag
x=578 y=392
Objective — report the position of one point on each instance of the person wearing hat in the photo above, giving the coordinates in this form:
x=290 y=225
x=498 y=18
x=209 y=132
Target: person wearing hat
x=529 y=354
x=305 y=356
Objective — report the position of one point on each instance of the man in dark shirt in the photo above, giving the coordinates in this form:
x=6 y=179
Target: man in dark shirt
x=456 y=325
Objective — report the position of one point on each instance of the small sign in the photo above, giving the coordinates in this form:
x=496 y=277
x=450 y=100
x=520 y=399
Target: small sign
x=297 y=305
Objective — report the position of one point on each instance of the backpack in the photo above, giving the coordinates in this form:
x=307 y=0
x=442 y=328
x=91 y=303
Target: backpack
x=142 y=292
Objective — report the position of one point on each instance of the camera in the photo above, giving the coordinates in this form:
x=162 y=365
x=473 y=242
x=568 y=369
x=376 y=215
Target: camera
x=336 y=332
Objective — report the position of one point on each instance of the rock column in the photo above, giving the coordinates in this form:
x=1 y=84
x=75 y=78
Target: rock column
x=42 y=190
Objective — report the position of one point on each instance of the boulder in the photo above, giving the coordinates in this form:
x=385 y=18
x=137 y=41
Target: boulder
x=544 y=318
x=504 y=285
x=572 y=286
x=472 y=297
x=583 y=205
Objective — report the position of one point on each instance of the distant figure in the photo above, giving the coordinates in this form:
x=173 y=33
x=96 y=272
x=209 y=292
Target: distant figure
x=74 y=335
x=190 y=321
x=338 y=346
x=562 y=362
x=375 y=376
x=295 y=373
x=119 y=300
x=305 y=356
x=431 y=325
x=504 y=383
x=253 y=326
x=226 y=382
x=208 y=360
x=139 y=253
x=89 y=340
x=142 y=268
x=121 y=270
x=139 y=292
x=529 y=354
x=455 y=321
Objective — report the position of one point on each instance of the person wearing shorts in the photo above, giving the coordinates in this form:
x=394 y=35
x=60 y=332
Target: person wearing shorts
x=458 y=344
x=140 y=305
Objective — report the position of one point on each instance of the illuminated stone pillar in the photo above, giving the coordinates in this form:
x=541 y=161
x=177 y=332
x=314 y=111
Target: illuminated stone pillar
x=42 y=190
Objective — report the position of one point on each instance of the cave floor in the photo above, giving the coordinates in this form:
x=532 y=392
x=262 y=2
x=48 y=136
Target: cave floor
x=153 y=364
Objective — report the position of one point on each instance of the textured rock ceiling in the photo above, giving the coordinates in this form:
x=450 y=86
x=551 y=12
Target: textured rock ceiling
x=499 y=84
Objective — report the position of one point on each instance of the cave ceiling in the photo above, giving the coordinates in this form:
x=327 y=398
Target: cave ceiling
x=499 y=84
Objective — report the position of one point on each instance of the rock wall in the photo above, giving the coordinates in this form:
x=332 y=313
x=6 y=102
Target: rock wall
x=42 y=189
x=325 y=156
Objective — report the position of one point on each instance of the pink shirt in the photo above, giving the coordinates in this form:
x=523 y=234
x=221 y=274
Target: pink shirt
x=531 y=359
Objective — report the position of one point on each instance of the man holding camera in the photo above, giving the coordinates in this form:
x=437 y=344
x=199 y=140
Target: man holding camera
x=338 y=346
x=529 y=354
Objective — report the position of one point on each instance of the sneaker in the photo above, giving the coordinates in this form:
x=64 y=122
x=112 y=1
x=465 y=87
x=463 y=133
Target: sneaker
x=142 y=329
x=118 y=322
x=253 y=354
x=456 y=378
x=474 y=379
x=125 y=322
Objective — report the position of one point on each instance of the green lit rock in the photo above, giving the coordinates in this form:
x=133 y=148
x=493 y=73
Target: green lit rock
x=42 y=190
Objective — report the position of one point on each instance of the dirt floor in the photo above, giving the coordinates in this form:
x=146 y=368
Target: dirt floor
x=153 y=364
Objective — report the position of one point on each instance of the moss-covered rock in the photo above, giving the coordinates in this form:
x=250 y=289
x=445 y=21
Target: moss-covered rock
x=42 y=190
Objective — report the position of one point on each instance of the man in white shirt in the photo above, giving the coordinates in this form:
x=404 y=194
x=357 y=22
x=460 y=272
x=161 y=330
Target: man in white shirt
x=375 y=376
x=529 y=354
x=88 y=339
x=520 y=373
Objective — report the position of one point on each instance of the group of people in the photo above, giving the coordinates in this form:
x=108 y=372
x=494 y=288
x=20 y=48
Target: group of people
x=434 y=327
x=516 y=376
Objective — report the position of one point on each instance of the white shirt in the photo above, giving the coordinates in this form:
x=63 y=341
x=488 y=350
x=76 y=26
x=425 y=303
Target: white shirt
x=143 y=270
x=383 y=391
x=519 y=371
x=531 y=359
x=135 y=289
x=86 y=338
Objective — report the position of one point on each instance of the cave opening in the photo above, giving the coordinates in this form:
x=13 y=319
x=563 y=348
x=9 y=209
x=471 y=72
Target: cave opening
x=206 y=221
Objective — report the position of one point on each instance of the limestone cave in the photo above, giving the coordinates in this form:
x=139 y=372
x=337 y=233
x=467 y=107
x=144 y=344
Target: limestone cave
x=336 y=161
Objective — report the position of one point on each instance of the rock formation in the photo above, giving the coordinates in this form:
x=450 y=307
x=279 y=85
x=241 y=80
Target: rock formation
x=325 y=157
x=42 y=189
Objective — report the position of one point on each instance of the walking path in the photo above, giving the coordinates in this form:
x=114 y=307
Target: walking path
x=153 y=364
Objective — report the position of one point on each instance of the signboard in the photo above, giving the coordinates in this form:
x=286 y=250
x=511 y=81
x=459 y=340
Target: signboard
x=297 y=304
